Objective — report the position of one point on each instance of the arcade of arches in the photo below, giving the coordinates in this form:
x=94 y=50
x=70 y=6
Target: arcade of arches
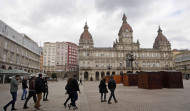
x=19 y=68
x=98 y=75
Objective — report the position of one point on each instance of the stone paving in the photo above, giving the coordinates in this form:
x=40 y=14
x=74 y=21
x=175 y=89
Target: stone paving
x=129 y=98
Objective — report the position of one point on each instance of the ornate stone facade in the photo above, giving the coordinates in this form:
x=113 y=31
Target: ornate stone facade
x=94 y=62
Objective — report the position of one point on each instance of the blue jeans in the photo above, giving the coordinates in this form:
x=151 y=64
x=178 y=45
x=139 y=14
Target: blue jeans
x=14 y=96
x=24 y=94
x=74 y=98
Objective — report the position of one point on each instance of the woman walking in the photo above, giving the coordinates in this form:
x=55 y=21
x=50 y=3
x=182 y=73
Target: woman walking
x=103 y=89
x=67 y=92
x=46 y=92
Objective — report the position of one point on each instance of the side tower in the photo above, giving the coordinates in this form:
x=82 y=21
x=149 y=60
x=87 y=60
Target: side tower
x=161 y=42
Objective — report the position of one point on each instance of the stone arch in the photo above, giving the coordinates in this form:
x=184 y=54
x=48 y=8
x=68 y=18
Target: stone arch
x=86 y=75
x=102 y=74
x=113 y=73
x=97 y=75
x=129 y=71
x=108 y=73
x=10 y=68
x=3 y=67
x=137 y=71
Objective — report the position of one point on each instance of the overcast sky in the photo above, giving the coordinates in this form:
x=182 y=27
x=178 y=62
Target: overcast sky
x=63 y=20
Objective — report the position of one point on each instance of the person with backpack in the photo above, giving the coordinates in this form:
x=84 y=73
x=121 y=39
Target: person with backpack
x=32 y=92
x=112 y=87
x=103 y=89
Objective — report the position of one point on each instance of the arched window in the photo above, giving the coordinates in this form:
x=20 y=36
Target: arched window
x=86 y=75
x=102 y=74
x=97 y=75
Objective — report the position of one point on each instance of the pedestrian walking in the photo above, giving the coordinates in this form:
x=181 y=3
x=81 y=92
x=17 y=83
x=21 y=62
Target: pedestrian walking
x=46 y=89
x=73 y=87
x=67 y=92
x=112 y=87
x=103 y=89
x=24 y=88
x=80 y=81
x=32 y=92
x=13 y=90
x=39 y=88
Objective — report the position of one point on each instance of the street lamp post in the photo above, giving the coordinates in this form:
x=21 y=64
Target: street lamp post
x=131 y=59
x=109 y=67
x=185 y=67
x=187 y=75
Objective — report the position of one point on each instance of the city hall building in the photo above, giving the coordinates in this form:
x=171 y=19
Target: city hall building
x=95 y=62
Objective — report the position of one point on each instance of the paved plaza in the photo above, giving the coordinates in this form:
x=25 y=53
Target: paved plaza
x=129 y=98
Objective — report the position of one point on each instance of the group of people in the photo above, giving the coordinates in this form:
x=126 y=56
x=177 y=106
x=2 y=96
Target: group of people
x=37 y=86
x=103 y=89
x=71 y=88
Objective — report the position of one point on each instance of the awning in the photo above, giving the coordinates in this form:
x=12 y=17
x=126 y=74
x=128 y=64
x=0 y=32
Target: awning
x=2 y=71
x=36 y=74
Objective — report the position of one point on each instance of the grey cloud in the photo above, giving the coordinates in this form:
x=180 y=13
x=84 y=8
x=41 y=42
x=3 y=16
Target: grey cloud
x=52 y=9
x=132 y=8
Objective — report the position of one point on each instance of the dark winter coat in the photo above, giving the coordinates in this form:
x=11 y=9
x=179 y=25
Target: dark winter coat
x=72 y=85
x=39 y=85
x=46 y=85
x=24 y=84
x=111 y=84
x=103 y=87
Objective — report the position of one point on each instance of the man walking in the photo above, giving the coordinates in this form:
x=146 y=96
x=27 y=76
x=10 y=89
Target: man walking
x=39 y=88
x=73 y=88
x=32 y=92
x=24 y=88
x=112 y=86
x=13 y=90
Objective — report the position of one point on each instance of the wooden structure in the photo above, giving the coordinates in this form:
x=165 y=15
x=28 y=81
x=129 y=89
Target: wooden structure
x=150 y=80
x=172 y=79
x=117 y=79
x=130 y=79
x=107 y=78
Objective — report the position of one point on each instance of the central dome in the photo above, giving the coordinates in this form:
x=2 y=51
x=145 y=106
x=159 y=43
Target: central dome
x=160 y=37
x=125 y=26
x=86 y=37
